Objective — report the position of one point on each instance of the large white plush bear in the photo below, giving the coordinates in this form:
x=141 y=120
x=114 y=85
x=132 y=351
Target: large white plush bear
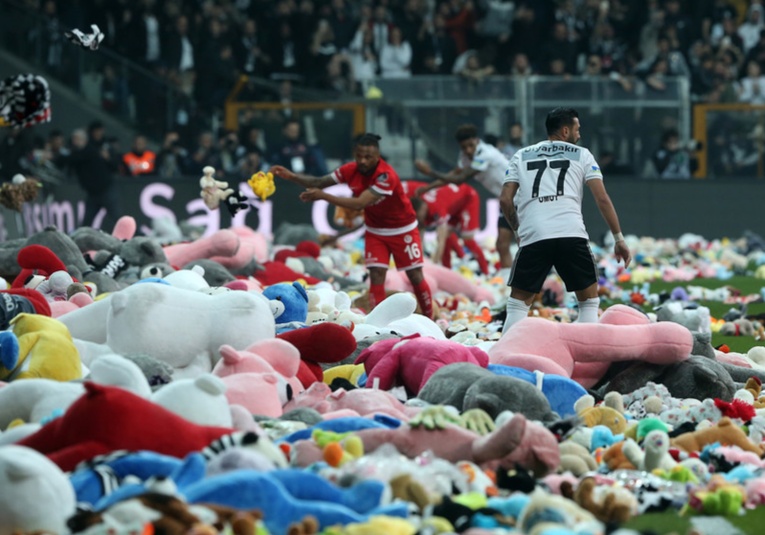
x=37 y=495
x=180 y=327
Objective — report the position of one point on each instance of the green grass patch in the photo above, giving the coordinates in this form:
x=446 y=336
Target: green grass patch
x=744 y=284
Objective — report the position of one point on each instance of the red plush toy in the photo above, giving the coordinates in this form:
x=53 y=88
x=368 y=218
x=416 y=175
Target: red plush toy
x=320 y=343
x=304 y=248
x=106 y=419
x=36 y=260
x=276 y=272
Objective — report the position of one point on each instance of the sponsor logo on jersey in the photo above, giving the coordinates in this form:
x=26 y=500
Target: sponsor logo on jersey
x=383 y=178
x=596 y=168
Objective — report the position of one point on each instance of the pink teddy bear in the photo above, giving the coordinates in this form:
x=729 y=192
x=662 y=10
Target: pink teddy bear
x=411 y=361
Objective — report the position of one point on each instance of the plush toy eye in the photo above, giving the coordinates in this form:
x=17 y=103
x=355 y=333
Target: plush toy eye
x=279 y=298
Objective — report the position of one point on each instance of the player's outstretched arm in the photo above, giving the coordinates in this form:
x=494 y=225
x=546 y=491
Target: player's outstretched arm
x=607 y=210
x=456 y=176
x=366 y=198
x=307 y=181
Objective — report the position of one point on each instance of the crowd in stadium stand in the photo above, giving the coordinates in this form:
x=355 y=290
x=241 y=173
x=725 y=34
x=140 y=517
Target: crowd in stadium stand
x=343 y=46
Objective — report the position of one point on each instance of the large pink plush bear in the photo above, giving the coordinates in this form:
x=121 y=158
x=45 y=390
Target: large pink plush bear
x=262 y=378
x=411 y=361
x=584 y=351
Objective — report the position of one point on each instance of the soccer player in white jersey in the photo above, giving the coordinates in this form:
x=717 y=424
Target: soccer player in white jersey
x=542 y=201
x=487 y=165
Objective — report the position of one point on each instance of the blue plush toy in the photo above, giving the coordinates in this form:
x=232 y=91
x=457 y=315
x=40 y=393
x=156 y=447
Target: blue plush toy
x=561 y=392
x=283 y=495
x=290 y=305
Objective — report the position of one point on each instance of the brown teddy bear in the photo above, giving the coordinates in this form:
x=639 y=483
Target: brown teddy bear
x=725 y=432
x=19 y=190
x=607 y=504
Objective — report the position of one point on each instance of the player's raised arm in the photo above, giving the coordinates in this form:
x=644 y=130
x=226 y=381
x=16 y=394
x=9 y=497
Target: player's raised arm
x=307 y=181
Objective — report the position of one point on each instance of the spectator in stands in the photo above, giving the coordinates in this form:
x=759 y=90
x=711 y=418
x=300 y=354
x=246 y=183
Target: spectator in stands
x=515 y=141
x=342 y=23
x=460 y=22
x=521 y=65
x=750 y=29
x=380 y=24
x=93 y=164
x=751 y=88
x=173 y=160
x=178 y=54
x=139 y=160
x=396 y=56
x=114 y=91
x=363 y=57
x=560 y=46
x=206 y=153
x=230 y=152
x=475 y=70
x=249 y=50
x=252 y=139
x=251 y=164
x=294 y=153
x=671 y=161
x=216 y=78
x=438 y=48
x=321 y=53
x=287 y=54
x=144 y=45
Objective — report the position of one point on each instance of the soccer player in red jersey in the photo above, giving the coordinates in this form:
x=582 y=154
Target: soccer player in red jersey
x=451 y=208
x=391 y=224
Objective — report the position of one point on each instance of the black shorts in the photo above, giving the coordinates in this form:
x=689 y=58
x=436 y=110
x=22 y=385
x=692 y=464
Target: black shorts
x=502 y=223
x=571 y=257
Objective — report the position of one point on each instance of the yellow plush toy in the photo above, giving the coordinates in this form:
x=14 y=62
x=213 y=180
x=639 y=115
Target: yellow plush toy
x=262 y=184
x=350 y=372
x=592 y=415
x=45 y=350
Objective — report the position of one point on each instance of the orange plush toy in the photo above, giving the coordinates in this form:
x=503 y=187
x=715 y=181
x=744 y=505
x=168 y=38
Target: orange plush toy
x=725 y=432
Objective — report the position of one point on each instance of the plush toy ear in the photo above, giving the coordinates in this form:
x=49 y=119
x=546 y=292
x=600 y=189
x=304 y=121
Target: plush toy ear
x=229 y=354
x=280 y=354
x=301 y=290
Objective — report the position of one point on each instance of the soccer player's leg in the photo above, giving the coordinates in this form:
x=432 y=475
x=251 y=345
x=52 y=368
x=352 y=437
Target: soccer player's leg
x=530 y=269
x=469 y=225
x=377 y=260
x=407 y=253
x=578 y=269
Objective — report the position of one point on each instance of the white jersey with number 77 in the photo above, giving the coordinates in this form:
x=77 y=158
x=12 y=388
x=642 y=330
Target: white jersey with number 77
x=551 y=177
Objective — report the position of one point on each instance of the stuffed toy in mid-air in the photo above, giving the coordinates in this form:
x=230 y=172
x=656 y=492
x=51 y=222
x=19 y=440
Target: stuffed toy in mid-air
x=24 y=101
x=86 y=40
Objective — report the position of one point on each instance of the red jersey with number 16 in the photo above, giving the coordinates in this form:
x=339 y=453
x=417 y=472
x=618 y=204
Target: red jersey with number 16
x=392 y=214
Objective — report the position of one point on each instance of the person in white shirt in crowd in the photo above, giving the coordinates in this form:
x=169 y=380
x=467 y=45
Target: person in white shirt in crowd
x=542 y=202
x=751 y=27
x=751 y=88
x=363 y=56
x=396 y=56
x=487 y=165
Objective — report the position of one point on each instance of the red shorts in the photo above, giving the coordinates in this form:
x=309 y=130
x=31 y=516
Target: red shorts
x=466 y=220
x=406 y=249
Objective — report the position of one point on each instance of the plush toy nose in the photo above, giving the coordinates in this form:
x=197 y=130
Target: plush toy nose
x=277 y=308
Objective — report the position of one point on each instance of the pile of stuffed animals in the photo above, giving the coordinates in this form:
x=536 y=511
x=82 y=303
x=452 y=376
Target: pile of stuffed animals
x=238 y=384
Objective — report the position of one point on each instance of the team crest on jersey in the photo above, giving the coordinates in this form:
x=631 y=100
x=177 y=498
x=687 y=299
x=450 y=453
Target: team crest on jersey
x=383 y=178
x=407 y=239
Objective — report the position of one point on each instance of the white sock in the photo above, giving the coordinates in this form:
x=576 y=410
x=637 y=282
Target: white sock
x=516 y=311
x=588 y=310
